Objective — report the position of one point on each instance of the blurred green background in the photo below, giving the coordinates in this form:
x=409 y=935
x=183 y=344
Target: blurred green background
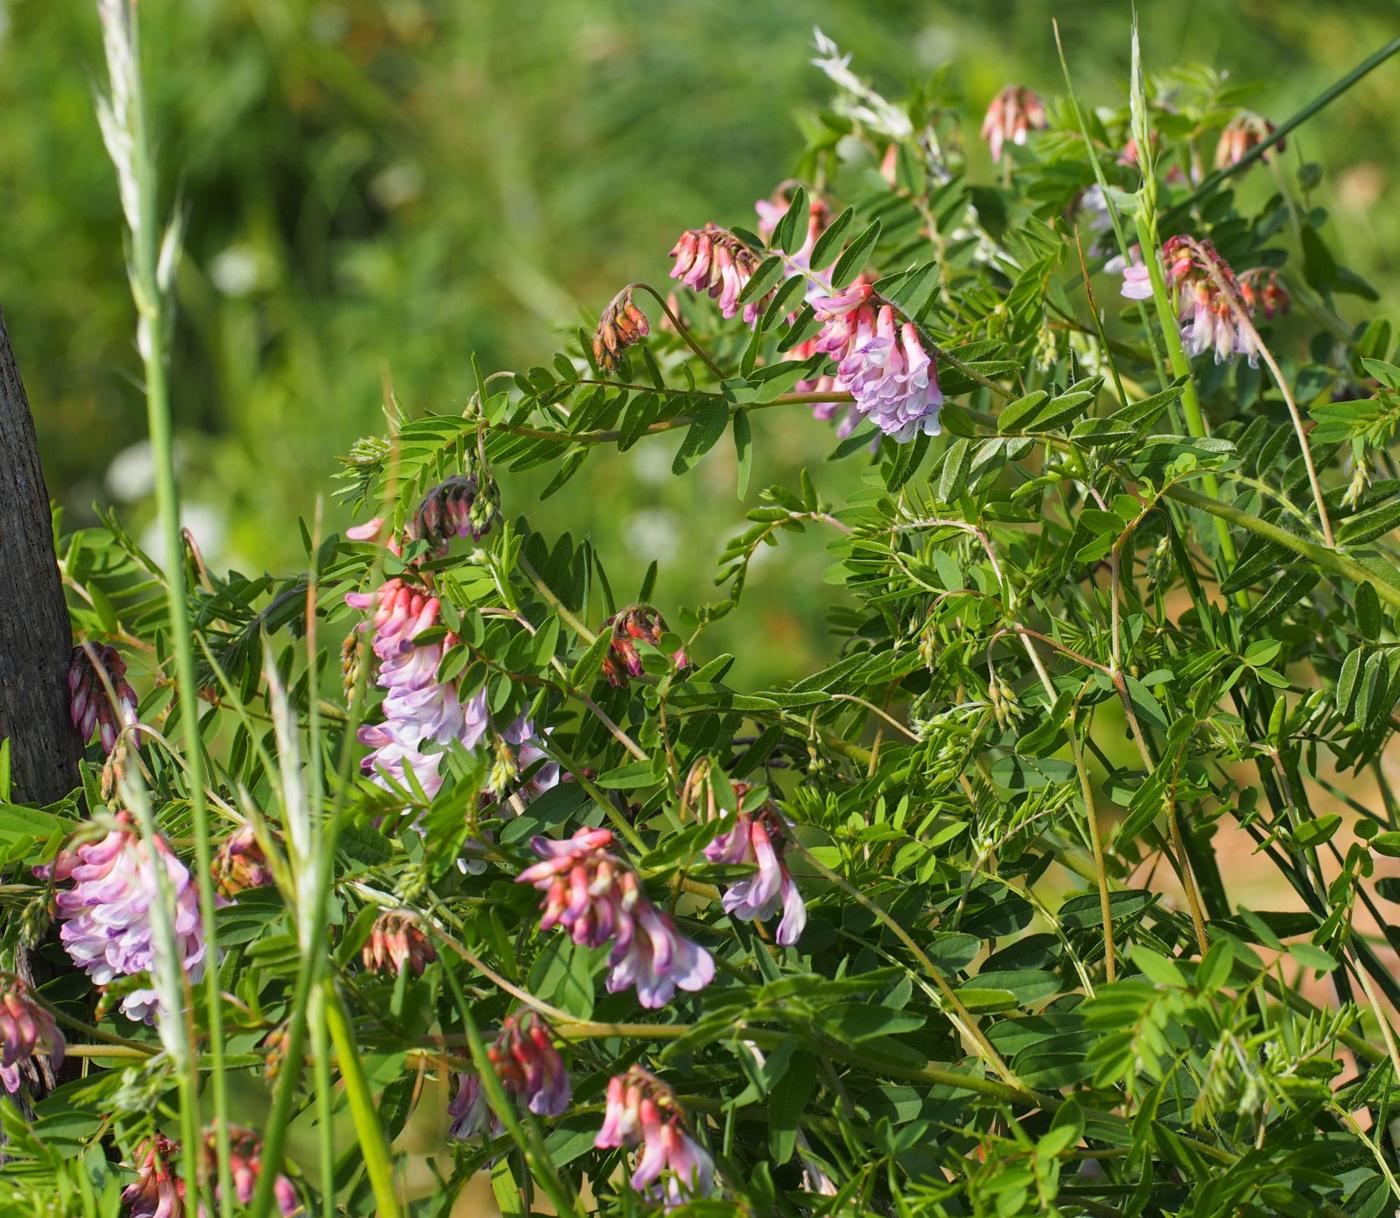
x=375 y=189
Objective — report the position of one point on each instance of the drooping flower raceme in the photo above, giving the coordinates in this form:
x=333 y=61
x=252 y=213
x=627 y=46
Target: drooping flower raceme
x=245 y=1166
x=420 y=713
x=395 y=943
x=759 y=839
x=106 y=914
x=597 y=898
x=1241 y=134
x=26 y=1028
x=1014 y=111
x=1209 y=298
x=714 y=260
x=90 y=706
x=530 y=1070
x=529 y=1066
x=460 y=506
x=621 y=325
x=673 y=1167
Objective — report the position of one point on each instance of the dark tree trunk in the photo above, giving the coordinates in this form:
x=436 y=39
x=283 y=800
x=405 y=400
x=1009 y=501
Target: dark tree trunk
x=35 y=641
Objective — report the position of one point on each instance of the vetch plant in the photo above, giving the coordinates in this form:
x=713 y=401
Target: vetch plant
x=1056 y=885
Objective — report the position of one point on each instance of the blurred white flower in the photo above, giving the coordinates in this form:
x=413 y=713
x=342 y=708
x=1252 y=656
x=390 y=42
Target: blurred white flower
x=237 y=270
x=206 y=523
x=397 y=184
x=132 y=474
x=654 y=532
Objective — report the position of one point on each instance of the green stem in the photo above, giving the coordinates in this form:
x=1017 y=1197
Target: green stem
x=152 y=306
x=1332 y=561
x=526 y=1135
x=378 y=1163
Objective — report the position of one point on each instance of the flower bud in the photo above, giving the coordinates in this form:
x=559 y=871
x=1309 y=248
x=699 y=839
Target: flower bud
x=459 y=506
x=622 y=659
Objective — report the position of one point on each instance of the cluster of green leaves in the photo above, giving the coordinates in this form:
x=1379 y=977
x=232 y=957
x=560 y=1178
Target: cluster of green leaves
x=1090 y=649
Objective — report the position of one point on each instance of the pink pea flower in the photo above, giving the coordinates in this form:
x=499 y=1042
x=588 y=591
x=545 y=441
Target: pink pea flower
x=1014 y=111
x=597 y=898
x=240 y=864
x=106 y=914
x=157 y=1191
x=759 y=839
x=714 y=260
x=421 y=715
x=1241 y=134
x=396 y=943
x=26 y=1028
x=673 y=1167
x=90 y=707
x=245 y=1166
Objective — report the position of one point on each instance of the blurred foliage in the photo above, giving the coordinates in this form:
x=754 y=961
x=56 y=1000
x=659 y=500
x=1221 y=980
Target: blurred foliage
x=376 y=188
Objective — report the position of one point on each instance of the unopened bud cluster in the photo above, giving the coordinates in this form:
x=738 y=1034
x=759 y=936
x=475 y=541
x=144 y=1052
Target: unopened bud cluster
x=640 y=623
x=460 y=506
x=622 y=325
x=396 y=943
x=93 y=669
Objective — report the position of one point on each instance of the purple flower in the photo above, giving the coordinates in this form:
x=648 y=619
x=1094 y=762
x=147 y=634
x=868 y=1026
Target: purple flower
x=759 y=839
x=421 y=715
x=469 y=1114
x=1137 y=276
x=596 y=897
x=26 y=1028
x=91 y=670
x=529 y=1066
x=892 y=377
x=106 y=914
x=673 y=1167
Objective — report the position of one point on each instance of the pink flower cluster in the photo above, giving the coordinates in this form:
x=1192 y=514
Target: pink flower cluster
x=759 y=839
x=240 y=864
x=422 y=716
x=396 y=943
x=642 y=1111
x=106 y=914
x=90 y=707
x=26 y=1028
x=245 y=1166
x=1241 y=134
x=596 y=897
x=880 y=361
x=530 y=1069
x=1014 y=111
x=159 y=1192
x=1209 y=298
x=714 y=260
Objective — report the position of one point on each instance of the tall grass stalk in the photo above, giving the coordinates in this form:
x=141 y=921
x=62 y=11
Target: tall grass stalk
x=151 y=269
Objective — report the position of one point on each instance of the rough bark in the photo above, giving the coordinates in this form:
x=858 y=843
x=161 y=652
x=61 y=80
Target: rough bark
x=35 y=640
